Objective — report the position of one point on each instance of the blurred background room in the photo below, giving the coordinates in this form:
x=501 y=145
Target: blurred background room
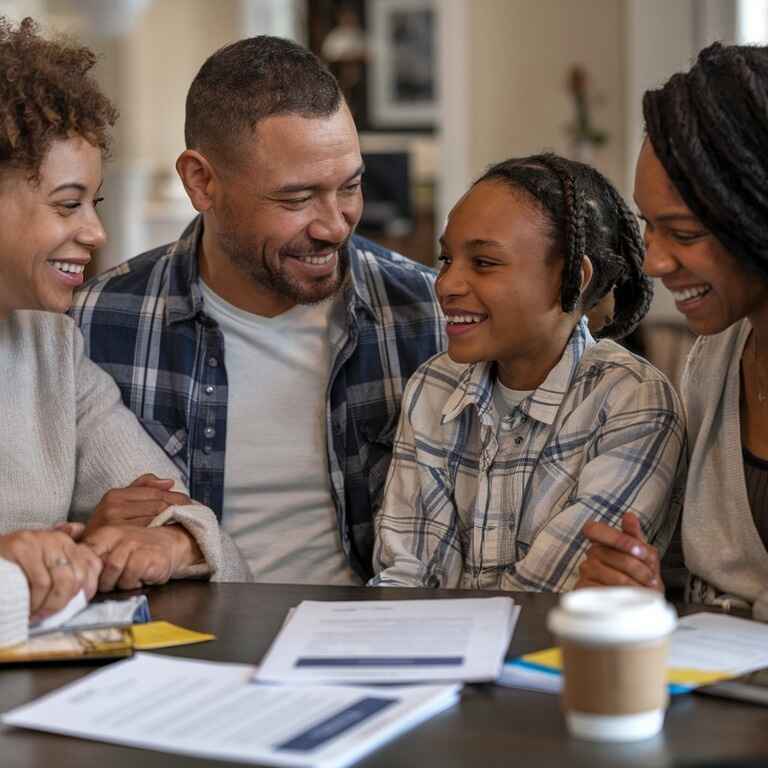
x=439 y=89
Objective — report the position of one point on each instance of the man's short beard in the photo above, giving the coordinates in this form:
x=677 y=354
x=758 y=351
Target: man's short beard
x=252 y=263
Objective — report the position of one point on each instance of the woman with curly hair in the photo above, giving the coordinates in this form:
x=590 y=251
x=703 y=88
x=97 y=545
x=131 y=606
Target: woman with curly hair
x=701 y=187
x=527 y=427
x=69 y=442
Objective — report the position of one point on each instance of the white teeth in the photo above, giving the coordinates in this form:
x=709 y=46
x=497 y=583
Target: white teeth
x=455 y=319
x=691 y=293
x=317 y=260
x=66 y=266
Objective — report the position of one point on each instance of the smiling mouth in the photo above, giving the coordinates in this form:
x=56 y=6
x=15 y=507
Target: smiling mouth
x=691 y=294
x=68 y=267
x=465 y=319
x=316 y=261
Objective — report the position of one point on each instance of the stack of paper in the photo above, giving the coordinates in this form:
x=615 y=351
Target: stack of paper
x=705 y=647
x=386 y=641
x=211 y=710
x=226 y=711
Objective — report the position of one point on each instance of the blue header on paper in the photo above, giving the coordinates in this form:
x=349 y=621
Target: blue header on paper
x=380 y=661
x=336 y=725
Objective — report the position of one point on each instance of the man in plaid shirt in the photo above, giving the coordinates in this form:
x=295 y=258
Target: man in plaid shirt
x=267 y=349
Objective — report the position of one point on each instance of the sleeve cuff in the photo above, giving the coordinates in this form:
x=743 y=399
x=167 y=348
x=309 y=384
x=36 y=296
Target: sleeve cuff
x=202 y=525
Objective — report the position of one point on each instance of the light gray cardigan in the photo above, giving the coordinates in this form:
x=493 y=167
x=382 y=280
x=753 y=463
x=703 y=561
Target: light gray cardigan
x=721 y=545
x=67 y=439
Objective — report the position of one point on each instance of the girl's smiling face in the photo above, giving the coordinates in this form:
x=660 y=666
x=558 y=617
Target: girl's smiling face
x=49 y=227
x=499 y=285
x=711 y=287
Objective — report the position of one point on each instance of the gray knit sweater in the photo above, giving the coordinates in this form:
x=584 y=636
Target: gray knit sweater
x=722 y=548
x=68 y=439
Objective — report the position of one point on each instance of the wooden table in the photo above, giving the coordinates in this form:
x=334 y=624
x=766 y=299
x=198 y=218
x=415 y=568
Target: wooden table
x=492 y=726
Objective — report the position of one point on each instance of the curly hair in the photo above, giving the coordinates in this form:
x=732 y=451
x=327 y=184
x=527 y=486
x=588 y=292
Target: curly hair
x=709 y=129
x=587 y=216
x=46 y=94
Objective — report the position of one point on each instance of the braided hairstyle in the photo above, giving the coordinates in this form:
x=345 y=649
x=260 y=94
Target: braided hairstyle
x=709 y=129
x=587 y=217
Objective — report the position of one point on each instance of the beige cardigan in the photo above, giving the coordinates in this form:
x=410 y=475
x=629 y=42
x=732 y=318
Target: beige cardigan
x=722 y=548
x=67 y=438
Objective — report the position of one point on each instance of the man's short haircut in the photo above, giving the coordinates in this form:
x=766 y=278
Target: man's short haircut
x=250 y=80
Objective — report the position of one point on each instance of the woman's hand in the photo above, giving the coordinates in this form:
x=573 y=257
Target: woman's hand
x=619 y=558
x=56 y=567
x=138 y=504
x=135 y=557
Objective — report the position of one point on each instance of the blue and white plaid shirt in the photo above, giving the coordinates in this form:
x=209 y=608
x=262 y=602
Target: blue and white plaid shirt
x=144 y=322
x=479 y=500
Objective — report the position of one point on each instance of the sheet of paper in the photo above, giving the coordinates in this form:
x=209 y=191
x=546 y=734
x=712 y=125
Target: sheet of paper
x=704 y=648
x=386 y=641
x=74 y=606
x=210 y=710
x=718 y=642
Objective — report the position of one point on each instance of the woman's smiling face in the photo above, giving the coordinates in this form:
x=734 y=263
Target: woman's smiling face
x=499 y=285
x=49 y=227
x=711 y=287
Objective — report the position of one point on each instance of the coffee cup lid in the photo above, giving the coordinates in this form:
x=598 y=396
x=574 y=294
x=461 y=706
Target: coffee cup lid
x=612 y=614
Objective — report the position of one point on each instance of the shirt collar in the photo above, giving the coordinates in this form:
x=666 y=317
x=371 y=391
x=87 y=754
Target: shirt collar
x=185 y=300
x=475 y=386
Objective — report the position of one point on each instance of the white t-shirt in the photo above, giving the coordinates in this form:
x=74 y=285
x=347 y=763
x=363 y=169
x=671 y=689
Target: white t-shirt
x=277 y=494
x=506 y=399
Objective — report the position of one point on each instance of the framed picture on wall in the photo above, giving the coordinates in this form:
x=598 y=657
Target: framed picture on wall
x=402 y=71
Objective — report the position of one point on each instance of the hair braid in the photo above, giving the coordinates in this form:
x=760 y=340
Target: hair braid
x=575 y=239
x=588 y=217
x=634 y=292
x=709 y=129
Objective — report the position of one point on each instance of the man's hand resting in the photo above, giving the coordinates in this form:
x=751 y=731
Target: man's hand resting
x=138 y=504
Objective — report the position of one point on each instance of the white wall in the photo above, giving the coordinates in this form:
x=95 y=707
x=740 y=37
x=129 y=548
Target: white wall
x=504 y=65
x=522 y=52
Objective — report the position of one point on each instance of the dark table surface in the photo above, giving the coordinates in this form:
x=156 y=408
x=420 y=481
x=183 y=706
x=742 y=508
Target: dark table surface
x=492 y=726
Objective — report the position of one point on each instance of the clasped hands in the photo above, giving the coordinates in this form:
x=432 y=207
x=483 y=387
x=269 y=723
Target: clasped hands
x=114 y=550
x=619 y=558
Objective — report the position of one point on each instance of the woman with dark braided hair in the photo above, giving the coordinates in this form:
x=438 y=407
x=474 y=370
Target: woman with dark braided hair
x=702 y=188
x=527 y=427
x=71 y=450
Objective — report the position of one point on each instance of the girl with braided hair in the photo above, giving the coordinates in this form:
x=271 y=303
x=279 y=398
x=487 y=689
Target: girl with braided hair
x=527 y=427
x=702 y=188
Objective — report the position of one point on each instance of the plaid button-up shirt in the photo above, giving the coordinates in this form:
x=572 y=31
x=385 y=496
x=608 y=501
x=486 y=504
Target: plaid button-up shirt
x=145 y=323
x=480 y=500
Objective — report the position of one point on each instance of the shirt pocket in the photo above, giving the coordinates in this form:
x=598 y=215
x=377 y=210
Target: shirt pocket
x=172 y=441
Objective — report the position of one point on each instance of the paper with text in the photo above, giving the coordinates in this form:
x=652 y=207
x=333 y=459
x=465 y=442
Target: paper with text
x=208 y=709
x=386 y=641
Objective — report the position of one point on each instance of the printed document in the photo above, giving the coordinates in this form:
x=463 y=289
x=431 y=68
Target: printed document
x=210 y=710
x=705 y=647
x=386 y=641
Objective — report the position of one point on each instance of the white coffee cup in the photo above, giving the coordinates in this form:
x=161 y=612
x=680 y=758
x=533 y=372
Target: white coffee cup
x=614 y=642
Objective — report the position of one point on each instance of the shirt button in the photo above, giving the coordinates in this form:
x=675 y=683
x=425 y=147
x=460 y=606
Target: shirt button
x=519 y=440
x=207 y=449
x=213 y=362
x=210 y=389
x=209 y=432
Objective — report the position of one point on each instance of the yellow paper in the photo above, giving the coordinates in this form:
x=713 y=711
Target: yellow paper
x=162 y=634
x=553 y=659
